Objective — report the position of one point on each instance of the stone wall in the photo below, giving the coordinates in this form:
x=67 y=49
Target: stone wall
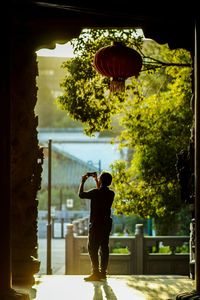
x=26 y=163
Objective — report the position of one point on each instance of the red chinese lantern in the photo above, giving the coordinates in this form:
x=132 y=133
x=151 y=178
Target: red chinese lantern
x=119 y=62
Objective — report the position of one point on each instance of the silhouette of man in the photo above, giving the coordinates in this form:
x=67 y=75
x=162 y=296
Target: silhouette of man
x=100 y=223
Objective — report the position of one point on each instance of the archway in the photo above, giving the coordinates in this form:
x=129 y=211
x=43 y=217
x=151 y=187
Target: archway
x=45 y=24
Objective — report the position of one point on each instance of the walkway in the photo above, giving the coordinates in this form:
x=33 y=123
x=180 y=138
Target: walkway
x=73 y=287
x=57 y=256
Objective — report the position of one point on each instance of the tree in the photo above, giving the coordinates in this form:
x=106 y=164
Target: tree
x=155 y=115
x=86 y=96
x=48 y=82
x=157 y=127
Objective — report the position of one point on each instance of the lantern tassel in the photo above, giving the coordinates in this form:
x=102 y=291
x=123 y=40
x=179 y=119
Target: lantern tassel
x=117 y=85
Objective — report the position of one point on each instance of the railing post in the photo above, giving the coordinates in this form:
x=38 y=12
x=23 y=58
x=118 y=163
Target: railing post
x=139 y=249
x=81 y=227
x=69 y=250
x=192 y=249
x=75 y=227
x=86 y=226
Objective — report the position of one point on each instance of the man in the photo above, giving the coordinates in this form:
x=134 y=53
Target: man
x=100 y=223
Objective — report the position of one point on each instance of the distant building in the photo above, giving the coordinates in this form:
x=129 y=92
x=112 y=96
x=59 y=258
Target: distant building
x=74 y=153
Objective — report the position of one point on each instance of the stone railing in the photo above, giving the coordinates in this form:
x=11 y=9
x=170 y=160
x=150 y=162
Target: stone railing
x=80 y=226
x=139 y=259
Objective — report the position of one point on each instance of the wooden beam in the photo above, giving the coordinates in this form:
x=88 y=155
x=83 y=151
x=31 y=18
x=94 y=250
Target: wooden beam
x=197 y=155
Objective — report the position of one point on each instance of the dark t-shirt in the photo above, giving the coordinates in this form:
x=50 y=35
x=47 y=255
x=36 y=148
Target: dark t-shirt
x=100 y=206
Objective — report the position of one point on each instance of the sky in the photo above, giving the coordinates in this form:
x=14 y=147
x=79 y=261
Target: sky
x=61 y=50
x=88 y=149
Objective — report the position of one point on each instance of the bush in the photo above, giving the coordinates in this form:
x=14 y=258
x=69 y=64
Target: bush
x=120 y=250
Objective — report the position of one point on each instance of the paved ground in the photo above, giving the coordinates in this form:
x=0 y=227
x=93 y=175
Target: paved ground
x=57 y=255
x=73 y=287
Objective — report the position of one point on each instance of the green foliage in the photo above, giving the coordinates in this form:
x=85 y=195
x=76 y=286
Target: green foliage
x=156 y=126
x=86 y=97
x=166 y=249
x=183 y=249
x=163 y=249
x=154 y=114
x=120 y=250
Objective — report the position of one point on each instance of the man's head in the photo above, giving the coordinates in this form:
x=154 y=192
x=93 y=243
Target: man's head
x=105 y=178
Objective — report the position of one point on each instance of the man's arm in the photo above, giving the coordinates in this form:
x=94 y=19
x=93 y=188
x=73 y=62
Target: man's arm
x=85 y=194
x=81 y=186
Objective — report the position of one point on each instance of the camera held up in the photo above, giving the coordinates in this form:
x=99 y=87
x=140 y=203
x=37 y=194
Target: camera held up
x=91 y=174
